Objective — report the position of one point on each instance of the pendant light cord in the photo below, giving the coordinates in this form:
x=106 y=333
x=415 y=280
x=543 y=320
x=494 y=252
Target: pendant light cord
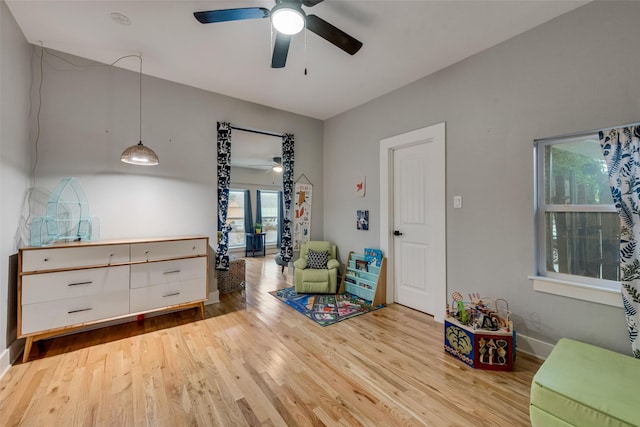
x=139 y=88
x=140 y=98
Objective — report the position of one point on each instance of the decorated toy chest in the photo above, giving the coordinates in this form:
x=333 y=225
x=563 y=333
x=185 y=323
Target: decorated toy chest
x=480 y=334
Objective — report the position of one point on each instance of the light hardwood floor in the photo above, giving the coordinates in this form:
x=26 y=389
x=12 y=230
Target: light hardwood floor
x=255 y=361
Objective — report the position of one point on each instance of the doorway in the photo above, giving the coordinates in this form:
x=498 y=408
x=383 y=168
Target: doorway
x=413 y=218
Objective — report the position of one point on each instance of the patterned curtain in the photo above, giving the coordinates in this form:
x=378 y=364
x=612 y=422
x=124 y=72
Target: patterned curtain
x=280 y=218
x=621 y=148
x=286 y=248
x=224 y=178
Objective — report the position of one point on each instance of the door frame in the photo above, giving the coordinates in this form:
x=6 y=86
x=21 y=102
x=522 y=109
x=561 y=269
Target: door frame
x=387 y=147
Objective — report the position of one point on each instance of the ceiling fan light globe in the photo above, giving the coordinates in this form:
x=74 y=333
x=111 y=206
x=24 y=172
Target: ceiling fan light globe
x=287 y=19
x=277 y=168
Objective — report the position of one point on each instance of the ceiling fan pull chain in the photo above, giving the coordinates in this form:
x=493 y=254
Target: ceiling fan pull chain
x=305 y=51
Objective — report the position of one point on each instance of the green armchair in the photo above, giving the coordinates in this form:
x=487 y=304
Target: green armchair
x=311 y=274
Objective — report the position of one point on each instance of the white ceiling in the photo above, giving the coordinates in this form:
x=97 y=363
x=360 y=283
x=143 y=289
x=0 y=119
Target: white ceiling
x=403 y=41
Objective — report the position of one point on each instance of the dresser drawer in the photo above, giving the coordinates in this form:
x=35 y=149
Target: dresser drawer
x=45 y=287
x=165 y=272
x=73 y=311
x=160 y=296
x=73 y=257
x=153 y=251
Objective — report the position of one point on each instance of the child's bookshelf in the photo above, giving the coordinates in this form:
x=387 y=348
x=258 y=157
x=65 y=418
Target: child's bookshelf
x=369 y=284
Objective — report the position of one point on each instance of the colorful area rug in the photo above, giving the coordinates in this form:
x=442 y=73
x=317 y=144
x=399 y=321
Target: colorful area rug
x=324 y=309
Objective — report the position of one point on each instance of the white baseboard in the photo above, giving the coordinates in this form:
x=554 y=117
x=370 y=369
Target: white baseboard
x=10 y=355
x=5 y=362
x=214 y=298
x=533 y=347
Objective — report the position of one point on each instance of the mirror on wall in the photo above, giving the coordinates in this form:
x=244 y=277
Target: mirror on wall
x=254 y=167
x=259 y=154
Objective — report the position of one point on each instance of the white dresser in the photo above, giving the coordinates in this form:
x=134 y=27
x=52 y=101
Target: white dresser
x=73 y=285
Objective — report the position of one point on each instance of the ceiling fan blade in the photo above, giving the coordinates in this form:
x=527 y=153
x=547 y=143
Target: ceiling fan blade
x=223 y=15
x=311 y=3
x=280 y=50
x=333 y=35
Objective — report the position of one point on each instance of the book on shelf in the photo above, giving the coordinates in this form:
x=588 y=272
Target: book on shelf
x=350 y=279
x=373 y=257
x=362 y=265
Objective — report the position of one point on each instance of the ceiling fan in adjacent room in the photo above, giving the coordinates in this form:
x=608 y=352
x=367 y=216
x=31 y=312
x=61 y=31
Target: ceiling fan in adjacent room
x=275 y=166
x=288 y=19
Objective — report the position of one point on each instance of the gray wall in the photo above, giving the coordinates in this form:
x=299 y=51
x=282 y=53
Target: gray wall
x=15 y=78
x=575 y=73
x=578 y=72
x=90 y=114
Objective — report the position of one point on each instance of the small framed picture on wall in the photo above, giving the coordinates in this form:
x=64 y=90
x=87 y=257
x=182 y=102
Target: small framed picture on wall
x=362 y=221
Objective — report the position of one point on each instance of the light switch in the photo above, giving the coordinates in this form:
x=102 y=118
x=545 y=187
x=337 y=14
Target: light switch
x=457 y=202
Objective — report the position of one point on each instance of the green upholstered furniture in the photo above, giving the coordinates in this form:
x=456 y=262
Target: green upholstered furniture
x=312 y=280
x=583 y=385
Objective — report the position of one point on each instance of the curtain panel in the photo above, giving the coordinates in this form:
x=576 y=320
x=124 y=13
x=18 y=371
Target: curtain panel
x=257 y=243
x=224 y=179
x=621 y=149
x=280 y=218
x=248 y=215
x=258 y=207
x=286 y=248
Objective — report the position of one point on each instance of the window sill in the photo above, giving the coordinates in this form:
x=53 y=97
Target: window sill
x=577 y=291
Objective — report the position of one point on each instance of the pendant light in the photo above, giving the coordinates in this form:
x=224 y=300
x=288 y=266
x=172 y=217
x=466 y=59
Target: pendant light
x=139 y=154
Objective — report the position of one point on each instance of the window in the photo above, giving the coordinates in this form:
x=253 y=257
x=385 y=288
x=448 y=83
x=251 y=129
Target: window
x=269 y=211
x=235 y=218
x=577 y=225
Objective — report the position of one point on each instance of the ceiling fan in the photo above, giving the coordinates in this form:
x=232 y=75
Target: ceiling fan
x=288 y=19
x=275 y=166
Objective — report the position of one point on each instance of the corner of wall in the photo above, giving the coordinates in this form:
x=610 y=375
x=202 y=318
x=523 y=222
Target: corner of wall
x=10 y=355
x=214 y=298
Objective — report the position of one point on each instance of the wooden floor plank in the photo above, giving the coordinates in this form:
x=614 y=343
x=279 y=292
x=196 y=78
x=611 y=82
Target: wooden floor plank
x=254 y=361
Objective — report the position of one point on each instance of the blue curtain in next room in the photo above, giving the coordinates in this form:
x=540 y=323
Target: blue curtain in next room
x=257 y=243
x=248 y=215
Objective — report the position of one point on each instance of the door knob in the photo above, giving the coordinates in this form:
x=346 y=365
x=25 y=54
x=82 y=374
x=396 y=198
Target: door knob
x=397 y=233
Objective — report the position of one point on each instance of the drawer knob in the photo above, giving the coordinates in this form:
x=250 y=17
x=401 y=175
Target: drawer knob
x=171 y=272
x=46 y=259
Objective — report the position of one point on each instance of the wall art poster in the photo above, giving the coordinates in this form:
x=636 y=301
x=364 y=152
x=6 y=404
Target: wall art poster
x=302 y=214
x=362 y=223
x=360 y=187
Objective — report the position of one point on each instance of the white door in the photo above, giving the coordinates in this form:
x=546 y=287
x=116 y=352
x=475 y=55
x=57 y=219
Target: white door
x=417 y=221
